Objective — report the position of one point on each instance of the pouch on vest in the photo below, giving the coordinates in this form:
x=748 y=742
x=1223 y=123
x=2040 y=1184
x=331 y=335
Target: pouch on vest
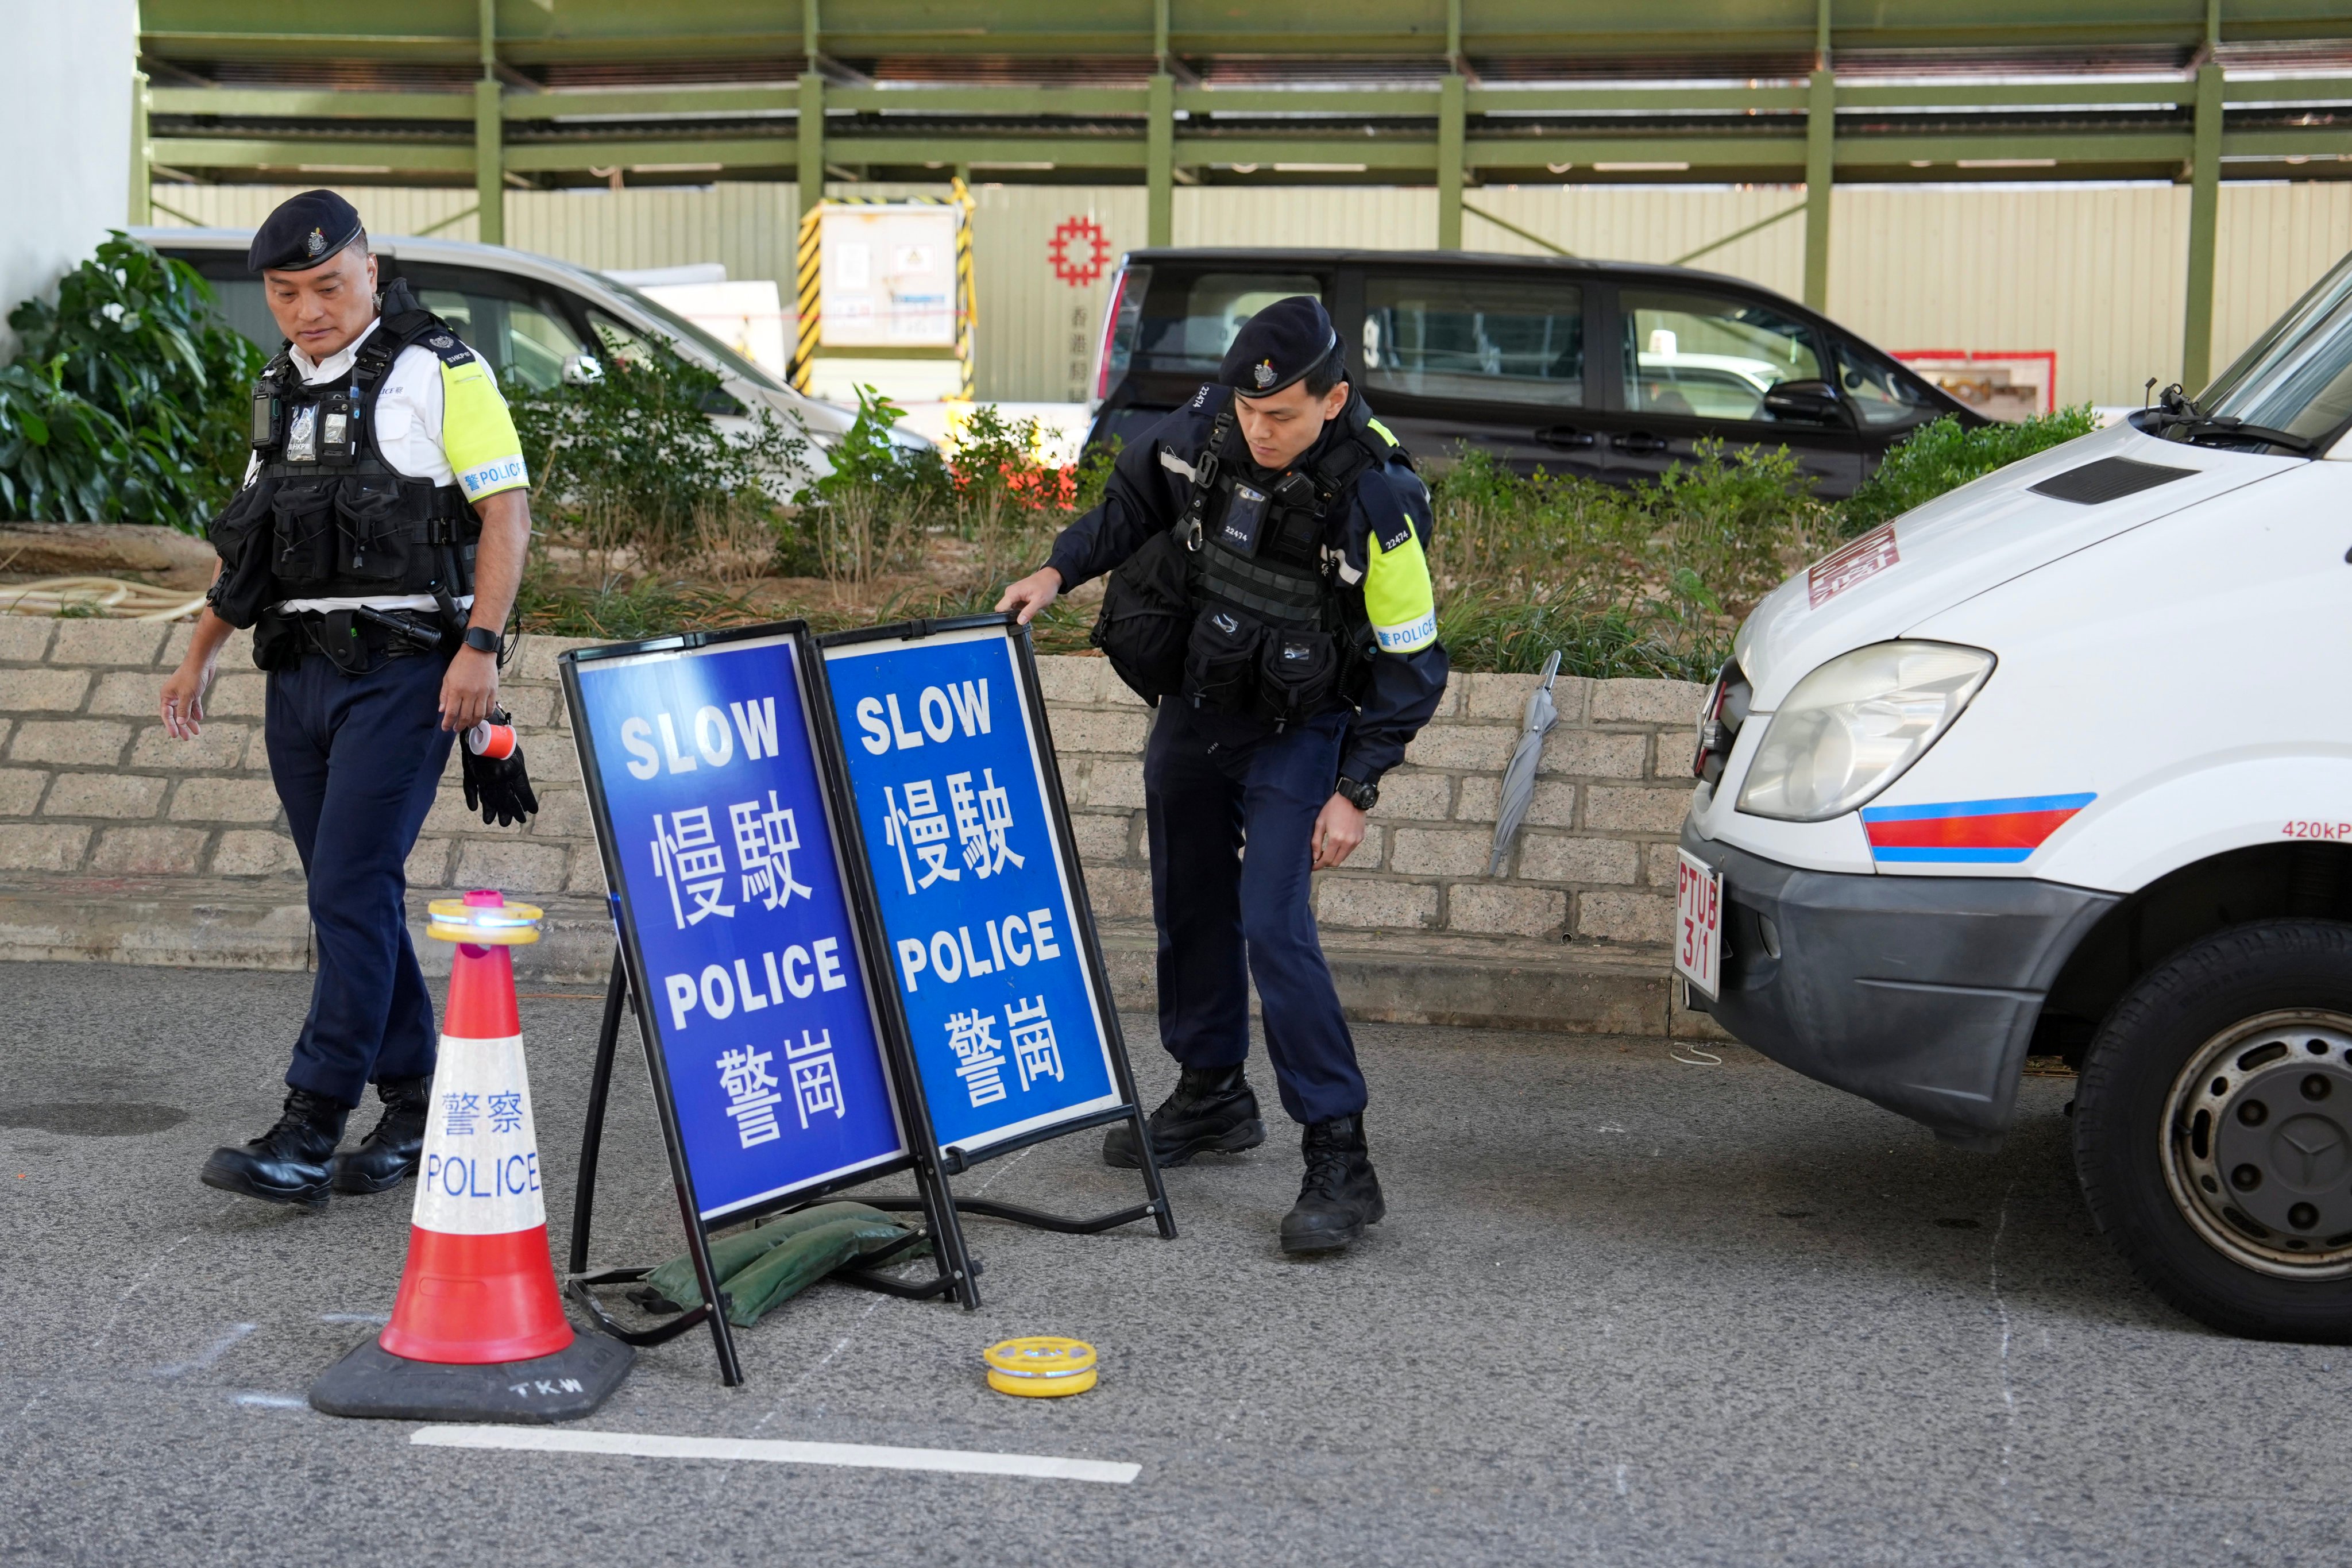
x=373 y=537
x=305 y=530
x=1220 y=663
x=1298 y=673
x=243 y=535
x=1146 y=619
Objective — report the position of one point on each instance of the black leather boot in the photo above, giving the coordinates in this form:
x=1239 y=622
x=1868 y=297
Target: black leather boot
x=286 y=1164
x=388 y=1155
x=1340 y=1196
x=1212 y=1110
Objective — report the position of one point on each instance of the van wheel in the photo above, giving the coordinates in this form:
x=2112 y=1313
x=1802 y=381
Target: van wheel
x=2213 y=1129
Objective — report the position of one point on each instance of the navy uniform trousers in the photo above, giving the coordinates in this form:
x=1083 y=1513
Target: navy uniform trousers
x=1231 y=826
x=356 y=760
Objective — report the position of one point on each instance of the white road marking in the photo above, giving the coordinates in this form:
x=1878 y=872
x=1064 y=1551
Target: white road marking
x=211 y=1353
x=662 y=1446
x=273 y=1401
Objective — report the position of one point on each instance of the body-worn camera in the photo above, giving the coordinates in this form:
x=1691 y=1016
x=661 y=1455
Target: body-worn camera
x=268 y=418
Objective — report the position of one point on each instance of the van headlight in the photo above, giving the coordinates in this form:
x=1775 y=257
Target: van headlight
x=1852 y=727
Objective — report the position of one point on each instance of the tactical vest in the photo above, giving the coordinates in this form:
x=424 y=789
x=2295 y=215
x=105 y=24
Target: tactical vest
x=325 y=517
x=1241 y=607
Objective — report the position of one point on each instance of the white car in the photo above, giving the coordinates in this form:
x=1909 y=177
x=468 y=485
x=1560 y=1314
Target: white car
x=2062 y=764
x=530 y=316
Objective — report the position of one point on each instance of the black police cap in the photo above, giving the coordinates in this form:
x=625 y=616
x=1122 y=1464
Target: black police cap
x=1278 y=345
x=306 y=231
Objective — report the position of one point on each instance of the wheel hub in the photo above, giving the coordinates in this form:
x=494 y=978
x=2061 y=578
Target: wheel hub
x=2258 y=1144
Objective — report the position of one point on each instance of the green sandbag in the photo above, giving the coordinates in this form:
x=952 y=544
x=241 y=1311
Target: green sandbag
x=790 y=1267
x=731 y=1255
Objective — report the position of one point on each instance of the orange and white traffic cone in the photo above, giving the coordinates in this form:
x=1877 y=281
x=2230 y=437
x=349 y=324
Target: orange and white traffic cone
x=477 y=1331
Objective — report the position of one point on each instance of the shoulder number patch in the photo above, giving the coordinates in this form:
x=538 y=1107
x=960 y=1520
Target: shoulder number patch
x=452 y=352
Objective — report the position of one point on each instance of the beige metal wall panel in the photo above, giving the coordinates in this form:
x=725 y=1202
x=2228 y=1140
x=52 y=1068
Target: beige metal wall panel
x=1039 y=319
x=2274 y=241
x=1375 y=217
x=386 y=209
x=1651 y=222
x=2093 y=274
x=748 y=228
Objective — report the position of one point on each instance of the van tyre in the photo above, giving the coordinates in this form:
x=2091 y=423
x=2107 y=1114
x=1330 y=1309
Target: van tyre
x=2213 y=1129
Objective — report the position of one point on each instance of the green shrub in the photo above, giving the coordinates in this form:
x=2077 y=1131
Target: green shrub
x=631 y=457
x=1942 y=456
x=651 y=606
x=129 y=400
x=61 y=456
x=1648 y=580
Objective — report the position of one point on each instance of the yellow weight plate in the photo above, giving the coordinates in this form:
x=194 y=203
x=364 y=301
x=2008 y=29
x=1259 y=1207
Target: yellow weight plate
x=484 y=925
x=1044 y=1366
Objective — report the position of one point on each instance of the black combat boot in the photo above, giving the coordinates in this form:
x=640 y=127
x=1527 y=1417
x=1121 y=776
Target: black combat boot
x=286 y=1164
x=1212 y=1110
x=388 y=1155
x=1340 y=1196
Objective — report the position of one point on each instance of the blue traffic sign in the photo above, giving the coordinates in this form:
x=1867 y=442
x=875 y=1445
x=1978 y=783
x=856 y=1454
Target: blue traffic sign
x=728 y=883
x=984 y=940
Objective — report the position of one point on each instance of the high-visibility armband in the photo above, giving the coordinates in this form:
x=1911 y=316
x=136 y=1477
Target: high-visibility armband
x=477 y=433
x=1398 y=598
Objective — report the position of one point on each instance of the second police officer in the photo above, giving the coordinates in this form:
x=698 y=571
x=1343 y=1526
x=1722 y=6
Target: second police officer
x=1270 y=592
x=375 y=549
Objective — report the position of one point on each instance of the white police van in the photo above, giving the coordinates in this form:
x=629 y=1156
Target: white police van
x=2062 y=764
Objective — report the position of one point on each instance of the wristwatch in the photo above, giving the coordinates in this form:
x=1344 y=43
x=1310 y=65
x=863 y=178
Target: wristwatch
x=1363 y=797
x=481 y=639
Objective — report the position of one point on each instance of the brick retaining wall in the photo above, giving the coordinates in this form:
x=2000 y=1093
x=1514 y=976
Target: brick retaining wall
x=98 y=805
x=1595 y=861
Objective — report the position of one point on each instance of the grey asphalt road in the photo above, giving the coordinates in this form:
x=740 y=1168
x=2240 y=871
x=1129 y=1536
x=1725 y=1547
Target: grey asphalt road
x=1623 y=1310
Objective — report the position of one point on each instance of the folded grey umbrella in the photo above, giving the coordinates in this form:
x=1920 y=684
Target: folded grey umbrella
x=1519 y=778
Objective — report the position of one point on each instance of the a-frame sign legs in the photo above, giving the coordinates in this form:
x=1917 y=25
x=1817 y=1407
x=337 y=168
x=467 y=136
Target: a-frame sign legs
x=957 y=1273
x=578 y=1281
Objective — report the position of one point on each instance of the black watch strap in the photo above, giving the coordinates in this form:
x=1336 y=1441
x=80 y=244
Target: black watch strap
x=481 y=639
x=1363 y=797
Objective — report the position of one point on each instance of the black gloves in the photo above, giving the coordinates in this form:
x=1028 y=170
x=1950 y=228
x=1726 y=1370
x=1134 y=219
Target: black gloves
x=497 y=785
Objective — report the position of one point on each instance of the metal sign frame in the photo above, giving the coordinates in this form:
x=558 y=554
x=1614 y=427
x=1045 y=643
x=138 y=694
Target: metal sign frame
x=954 y=1159
x=629 y=984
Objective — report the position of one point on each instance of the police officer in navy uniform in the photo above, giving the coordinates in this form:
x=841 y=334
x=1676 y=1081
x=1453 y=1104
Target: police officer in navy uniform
x=1269 y=589
x=375 y=550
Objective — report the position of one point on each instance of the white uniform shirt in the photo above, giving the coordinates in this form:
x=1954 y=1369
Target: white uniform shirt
x=411 y=407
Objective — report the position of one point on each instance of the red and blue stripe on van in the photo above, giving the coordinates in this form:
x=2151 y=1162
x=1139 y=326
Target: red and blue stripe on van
x=1969 y=832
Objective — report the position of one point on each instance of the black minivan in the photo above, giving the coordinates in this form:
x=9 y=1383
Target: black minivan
x=1607 y=370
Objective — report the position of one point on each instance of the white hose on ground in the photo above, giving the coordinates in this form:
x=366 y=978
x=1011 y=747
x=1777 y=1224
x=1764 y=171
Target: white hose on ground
x=109 y=596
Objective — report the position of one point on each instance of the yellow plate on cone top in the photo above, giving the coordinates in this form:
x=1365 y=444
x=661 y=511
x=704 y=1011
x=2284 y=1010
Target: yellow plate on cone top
x=1044 y=1366
x=485 y=925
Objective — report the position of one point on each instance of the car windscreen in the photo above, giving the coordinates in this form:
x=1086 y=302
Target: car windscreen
x=1189 y=319
x=729 y=361
x=2298 y=375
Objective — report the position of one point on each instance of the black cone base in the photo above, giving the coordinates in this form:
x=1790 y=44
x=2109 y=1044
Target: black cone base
x=575 y=1380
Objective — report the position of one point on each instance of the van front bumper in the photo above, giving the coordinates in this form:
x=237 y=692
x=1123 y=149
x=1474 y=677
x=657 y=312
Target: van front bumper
x=1918 y=992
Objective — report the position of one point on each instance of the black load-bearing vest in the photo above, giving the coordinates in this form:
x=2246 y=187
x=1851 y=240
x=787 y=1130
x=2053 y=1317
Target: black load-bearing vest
x=1241 y=607
x=325 y=517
